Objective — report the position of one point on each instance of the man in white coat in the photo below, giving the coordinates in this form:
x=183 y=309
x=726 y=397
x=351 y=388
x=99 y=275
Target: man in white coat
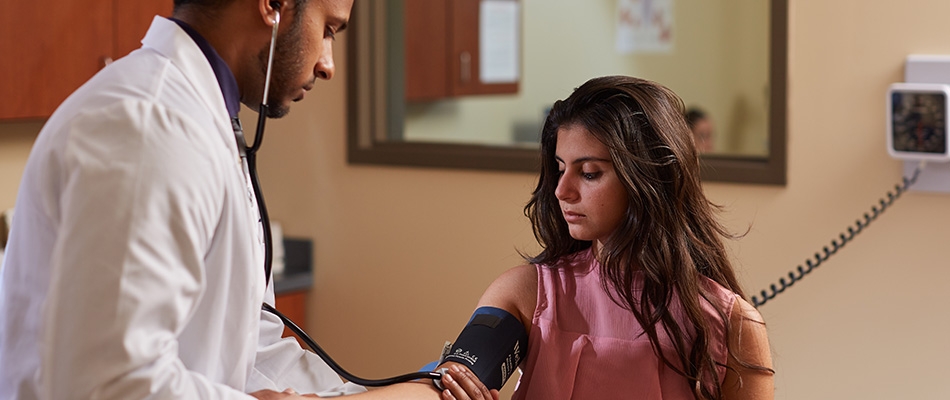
x=134 y=267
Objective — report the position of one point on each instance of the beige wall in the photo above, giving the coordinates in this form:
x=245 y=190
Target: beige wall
x=403 y=254
x=15 y=142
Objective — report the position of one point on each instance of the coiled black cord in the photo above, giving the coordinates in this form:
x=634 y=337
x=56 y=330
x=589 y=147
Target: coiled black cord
x=836 y=244
x=337 y=368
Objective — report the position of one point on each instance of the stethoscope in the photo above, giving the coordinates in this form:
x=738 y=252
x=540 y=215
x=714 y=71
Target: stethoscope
x=249 y=153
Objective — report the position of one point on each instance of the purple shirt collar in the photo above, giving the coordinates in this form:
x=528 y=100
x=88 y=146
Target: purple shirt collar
x=223 y=74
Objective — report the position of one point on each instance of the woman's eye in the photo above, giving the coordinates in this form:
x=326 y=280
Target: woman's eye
x=330 y=34
x=590 y=175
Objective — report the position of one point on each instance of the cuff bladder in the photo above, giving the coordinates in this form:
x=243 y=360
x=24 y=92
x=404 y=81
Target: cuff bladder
x=492 y=345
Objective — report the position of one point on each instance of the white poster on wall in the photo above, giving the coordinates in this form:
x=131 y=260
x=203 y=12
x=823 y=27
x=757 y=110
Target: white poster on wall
x=499 y=30
x=644 y=26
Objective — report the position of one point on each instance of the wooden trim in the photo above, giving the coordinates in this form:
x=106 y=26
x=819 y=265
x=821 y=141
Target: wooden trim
x=445 y=155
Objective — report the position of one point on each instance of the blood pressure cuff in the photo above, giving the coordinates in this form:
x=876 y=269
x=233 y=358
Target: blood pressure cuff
x=492 y=345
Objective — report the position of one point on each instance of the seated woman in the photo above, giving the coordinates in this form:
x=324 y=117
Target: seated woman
x=633 y=295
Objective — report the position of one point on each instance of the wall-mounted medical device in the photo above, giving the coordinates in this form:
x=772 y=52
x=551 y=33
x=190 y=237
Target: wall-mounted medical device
x=917 y=121
x=917 y=126
x=917 y=118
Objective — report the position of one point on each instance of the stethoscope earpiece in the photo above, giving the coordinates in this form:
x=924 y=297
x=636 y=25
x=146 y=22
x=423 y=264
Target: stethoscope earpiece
x=276 y=6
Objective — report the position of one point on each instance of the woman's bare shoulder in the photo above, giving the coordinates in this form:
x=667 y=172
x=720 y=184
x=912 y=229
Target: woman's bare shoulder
x=515 y=291
x=749 y=374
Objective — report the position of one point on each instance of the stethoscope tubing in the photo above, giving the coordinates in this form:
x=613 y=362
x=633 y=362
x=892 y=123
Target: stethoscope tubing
x=251 y=152
x=339 y=369
x=251 y=155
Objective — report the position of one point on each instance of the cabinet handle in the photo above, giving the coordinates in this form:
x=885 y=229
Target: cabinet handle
x=106 y=60
x=466 y=60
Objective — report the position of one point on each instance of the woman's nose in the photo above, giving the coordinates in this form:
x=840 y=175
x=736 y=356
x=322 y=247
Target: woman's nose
x=565 y=190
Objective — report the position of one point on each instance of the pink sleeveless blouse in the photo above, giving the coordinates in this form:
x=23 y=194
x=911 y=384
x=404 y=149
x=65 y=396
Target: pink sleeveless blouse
x=582 y=345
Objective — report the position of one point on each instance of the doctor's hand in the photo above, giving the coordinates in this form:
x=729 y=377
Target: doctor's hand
x=288 y=394
x=461 y=384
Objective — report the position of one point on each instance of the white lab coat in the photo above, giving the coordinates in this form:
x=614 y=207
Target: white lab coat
x=135 y=263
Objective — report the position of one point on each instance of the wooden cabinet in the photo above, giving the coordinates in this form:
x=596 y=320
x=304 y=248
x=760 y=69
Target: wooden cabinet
x=426 y=47
x=442 y=51
x=50 y=49
x=294 y=306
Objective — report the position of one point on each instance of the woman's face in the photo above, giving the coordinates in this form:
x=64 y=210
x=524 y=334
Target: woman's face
x=592 y=198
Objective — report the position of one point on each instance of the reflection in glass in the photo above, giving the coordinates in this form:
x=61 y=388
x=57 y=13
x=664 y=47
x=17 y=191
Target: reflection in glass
x=717 y=61
x=376 y=75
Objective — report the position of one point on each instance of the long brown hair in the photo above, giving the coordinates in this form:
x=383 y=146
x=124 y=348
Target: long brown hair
x=670 y=235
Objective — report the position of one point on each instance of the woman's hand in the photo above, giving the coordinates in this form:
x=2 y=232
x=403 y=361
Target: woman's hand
x=461 y=384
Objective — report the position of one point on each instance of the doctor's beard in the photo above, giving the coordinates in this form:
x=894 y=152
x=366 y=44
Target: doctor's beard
x=287 y=63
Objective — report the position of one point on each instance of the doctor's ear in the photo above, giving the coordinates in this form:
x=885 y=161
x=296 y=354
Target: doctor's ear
x=270 y=9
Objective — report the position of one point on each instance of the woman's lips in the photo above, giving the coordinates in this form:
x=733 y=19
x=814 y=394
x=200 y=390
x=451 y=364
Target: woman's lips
x=573 y=217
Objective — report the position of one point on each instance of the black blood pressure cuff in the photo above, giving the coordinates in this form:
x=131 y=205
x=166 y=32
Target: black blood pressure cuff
x=492 y=345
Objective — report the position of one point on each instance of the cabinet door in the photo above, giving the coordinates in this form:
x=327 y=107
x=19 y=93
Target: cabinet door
x=442 y=51
x=49 y=50
x=464 y=55
x=425 y=33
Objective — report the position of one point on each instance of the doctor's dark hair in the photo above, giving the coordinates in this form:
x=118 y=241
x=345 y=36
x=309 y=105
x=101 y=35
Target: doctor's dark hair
x=212 y=4
x=670 y=235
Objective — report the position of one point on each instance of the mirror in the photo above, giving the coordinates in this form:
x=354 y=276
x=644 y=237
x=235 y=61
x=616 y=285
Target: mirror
x=725 y=57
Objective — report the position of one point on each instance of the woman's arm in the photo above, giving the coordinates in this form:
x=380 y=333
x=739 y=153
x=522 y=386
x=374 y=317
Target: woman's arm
x=462 y=386
x=749 y=373
x=515 y=291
